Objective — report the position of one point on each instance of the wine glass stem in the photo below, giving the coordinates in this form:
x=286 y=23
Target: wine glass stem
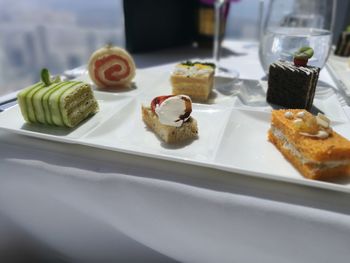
x=217 y=26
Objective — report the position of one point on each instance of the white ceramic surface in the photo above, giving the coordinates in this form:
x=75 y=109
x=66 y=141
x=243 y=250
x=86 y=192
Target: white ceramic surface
x=339 y=68
x=229 y=138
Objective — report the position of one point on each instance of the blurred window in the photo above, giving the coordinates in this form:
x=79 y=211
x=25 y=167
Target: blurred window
x=57 y=34
x=243 y=20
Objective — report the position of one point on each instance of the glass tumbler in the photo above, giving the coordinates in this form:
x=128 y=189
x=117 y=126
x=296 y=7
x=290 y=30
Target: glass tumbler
x=291 y=24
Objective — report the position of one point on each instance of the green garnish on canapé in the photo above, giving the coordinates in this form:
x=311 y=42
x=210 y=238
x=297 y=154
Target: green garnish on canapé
x=192 y=63
x=46 y=79
x=302 y=56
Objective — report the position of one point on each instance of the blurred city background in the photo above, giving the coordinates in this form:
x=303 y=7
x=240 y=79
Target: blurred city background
x=62 y=34
x=57 y=34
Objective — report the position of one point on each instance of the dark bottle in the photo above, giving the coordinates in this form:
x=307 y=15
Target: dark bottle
x=206 y=22
x=157 y=24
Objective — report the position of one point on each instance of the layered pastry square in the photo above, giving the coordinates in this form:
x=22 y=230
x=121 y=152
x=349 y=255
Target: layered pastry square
x=169 y=117
x=193 y=79
x=310 y=144
x=292 y=86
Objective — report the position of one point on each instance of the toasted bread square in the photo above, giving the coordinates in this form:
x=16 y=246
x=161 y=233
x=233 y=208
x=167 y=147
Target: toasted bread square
x=170 y=134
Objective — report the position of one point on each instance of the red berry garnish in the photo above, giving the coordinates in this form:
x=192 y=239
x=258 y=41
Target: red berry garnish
x=302 y=56
x=300 y=62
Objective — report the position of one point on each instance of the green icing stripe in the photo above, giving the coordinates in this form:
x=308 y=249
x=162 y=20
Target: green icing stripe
x=29 y=103
x=54 y=103
x=21 y=97
x=46 y=104
x=38 y=103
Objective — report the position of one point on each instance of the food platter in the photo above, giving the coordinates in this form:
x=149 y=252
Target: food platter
x=232 y=131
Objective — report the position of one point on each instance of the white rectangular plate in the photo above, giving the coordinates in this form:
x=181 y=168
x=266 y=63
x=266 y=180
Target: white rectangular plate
x=229 y=139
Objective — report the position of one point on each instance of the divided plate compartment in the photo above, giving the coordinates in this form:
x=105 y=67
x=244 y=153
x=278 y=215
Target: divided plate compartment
x=110 y=101
x=245 y=145
x=126 y=131
x=12 y=120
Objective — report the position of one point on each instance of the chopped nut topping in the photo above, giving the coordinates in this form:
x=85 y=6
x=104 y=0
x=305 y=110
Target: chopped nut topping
x=309 y=125
x=301 y=114
x=322 y=120
x=298 y=121
x=288 y=115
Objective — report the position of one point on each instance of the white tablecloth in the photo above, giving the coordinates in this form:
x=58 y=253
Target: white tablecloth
x=79 y=204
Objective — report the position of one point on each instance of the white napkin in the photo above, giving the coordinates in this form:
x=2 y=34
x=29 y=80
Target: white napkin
x=188 y=214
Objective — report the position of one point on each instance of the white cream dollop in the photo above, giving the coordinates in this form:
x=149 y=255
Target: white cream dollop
x=170 y=110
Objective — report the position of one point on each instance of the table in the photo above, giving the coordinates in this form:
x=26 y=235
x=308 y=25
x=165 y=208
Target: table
x=73 y=203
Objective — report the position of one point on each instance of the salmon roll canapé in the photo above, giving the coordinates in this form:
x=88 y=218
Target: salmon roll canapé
x=111 y=67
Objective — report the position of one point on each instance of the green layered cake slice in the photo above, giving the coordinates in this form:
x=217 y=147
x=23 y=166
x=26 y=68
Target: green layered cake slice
x=60 y=103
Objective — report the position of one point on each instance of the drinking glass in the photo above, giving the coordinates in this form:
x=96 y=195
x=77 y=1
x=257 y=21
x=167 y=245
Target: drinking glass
x=291 y=24
x=228 y=75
